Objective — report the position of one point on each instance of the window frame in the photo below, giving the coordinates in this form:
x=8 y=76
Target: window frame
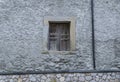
x=59 y=20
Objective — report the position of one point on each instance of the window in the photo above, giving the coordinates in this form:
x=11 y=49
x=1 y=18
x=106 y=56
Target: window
x=59 y=36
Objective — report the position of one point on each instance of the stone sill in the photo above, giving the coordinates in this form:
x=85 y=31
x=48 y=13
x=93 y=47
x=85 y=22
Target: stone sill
x=59 y=52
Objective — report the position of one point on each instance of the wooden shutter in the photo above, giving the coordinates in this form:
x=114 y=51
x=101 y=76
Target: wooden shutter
x=64 y=37
x=59 y=36
x=53 y=37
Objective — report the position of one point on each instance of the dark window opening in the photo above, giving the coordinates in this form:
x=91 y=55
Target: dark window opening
x=59 y=36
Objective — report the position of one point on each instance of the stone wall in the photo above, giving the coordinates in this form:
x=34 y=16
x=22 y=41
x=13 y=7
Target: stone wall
x=107 y=33
x=21 y=35
x=75 y=77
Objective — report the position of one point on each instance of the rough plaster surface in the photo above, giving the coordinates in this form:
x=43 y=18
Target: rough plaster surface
x=107 y=34
x=21 y=35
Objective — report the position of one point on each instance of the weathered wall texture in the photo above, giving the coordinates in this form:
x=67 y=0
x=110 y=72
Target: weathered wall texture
x=72 y=77
x=107 y=34
x=21 y=35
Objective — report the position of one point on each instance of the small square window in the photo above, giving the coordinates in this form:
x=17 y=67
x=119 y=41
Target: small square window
x=59 y=36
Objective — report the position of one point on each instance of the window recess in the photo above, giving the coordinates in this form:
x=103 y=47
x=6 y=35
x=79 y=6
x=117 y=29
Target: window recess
x=59 y=36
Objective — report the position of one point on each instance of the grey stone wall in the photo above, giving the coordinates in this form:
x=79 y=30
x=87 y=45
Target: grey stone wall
x=21 y=35
x=67 y=77
x=107 y=34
